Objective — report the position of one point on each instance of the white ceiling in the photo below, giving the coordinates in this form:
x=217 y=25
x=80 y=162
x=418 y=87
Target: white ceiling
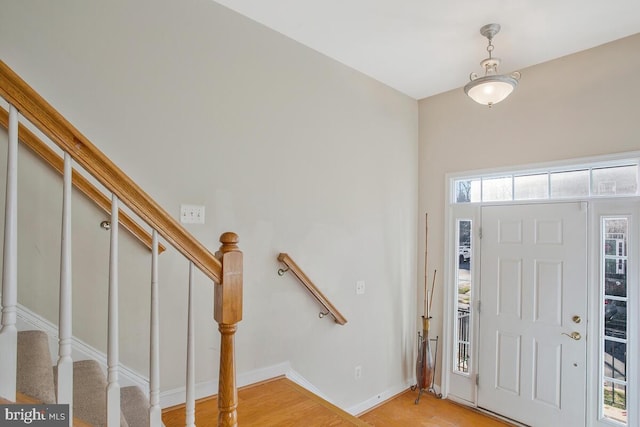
x=425 y=47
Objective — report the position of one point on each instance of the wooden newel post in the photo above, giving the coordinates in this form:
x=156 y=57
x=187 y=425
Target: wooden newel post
x=227 y=311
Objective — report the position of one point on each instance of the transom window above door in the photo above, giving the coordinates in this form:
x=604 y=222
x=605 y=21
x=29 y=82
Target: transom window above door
x=598 y=179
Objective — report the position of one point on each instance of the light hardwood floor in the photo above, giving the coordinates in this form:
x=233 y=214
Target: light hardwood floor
x=280 y=402
x=429 y=412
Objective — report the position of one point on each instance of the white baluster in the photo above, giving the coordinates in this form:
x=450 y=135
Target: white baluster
x=113 y=387
x=65 y=363
x=155 y=412
x=190 y=405
x=9 y=333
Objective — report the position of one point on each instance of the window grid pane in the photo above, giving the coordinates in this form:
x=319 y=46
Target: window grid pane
x=620 y=180
x=615 y=401
x=531 y=187
x=497 y=189
x=569 y=184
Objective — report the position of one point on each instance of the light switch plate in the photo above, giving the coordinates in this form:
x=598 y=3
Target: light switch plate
x=191 y=214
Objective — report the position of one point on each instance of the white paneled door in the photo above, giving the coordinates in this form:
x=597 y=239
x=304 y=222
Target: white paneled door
x=533 y=296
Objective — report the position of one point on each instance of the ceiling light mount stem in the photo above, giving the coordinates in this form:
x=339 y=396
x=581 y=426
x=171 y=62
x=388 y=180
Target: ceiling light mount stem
x=492 y=87
x=489 y=31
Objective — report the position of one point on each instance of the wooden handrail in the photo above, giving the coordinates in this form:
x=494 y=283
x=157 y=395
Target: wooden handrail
x=50 y=122
x=304 y=279
x=36 y=145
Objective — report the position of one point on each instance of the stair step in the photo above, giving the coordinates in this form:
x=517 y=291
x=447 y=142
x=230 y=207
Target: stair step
x=36 y=379
x=34 y=374
x=90 y=393
x=135 y=406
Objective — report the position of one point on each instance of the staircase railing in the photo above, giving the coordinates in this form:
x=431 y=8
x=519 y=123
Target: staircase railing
x=224 y=267
x=31 y=141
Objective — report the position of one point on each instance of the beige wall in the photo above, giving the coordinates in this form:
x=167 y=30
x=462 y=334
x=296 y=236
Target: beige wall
x=293 y=151
x=581 y=105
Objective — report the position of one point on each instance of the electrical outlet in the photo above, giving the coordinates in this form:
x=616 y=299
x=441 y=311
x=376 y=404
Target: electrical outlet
x=191 y=214
x=360 y=287
x=357 y=372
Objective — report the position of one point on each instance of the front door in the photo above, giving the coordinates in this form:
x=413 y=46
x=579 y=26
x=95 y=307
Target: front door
x=533 y=309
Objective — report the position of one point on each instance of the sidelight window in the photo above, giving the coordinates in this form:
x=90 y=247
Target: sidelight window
x=613 y=394
x=462 y=340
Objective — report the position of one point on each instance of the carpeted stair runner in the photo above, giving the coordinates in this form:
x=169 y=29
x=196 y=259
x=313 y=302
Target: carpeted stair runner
x=36 y=378
x=90 y=393
x=132 y=400
x=34 y=374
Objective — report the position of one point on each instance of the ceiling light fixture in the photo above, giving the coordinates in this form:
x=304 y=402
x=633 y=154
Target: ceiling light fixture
x=492 y=87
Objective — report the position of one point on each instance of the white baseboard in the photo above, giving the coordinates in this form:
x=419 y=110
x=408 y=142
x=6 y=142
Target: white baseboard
x=378 y=398
x=177 y=396
x=302 y=382
x=27 y=320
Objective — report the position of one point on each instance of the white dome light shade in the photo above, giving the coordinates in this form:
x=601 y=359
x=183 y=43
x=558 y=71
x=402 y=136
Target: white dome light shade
x=492 y=87
x=490 y=90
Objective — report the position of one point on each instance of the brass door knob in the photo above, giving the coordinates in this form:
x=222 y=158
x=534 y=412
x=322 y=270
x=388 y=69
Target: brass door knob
x=574 y=335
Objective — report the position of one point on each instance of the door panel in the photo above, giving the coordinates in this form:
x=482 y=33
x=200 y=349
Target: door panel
x=533 y=281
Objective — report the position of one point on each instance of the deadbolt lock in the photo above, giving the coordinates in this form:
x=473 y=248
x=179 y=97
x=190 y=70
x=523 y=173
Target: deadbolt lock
x=576 y=319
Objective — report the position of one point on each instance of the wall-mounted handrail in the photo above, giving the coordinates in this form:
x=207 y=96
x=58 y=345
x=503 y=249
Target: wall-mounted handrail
x=304 y=279
x=35 y=144
x=51 y=123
